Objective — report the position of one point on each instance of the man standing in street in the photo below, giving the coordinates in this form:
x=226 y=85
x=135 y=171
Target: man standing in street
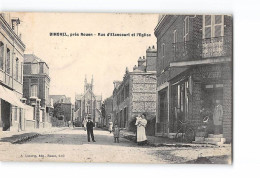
x=90 y=126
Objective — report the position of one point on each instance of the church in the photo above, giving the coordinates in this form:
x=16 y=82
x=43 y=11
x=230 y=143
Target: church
x=88 y=104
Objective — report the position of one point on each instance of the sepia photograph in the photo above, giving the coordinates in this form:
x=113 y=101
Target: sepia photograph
x=134 y=88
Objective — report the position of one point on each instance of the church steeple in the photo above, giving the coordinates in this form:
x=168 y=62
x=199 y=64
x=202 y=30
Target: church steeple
x=86 y=80
x=92 y=81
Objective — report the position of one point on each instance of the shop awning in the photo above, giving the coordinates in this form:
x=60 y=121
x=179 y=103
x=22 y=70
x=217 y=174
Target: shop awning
x=10 y=97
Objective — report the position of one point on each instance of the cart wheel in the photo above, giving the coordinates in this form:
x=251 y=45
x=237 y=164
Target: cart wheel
x=189 y=135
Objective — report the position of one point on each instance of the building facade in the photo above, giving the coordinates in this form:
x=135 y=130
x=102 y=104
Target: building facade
x=136 y=94
x=194 y=72
x=11 y=74
x=36 y=90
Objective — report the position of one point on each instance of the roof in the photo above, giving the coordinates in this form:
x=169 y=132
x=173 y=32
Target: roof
x=78 y=96
x=89 y=90
x=30 y=58
x=56 y=98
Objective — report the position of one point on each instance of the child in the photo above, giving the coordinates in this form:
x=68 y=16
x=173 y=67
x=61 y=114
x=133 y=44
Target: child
x=116 y=133
x=138 y=120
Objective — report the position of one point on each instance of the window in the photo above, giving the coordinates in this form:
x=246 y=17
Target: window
x=35 y=68
x=174 y=36
x=34 y=90
x=16 y=68
x=8 y=64
x=47 y=93
x=174 y=40
x=213 y=26
x=1 y=55
x=218 y=26
x=163 y=54
x=163 y=50
x=21 y=73
x=186 y=29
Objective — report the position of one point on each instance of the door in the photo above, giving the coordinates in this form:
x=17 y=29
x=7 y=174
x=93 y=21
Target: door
x=5 y=115
x=163 y=112
x=212 y=94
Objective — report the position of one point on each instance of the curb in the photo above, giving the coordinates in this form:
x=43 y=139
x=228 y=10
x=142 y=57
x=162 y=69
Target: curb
x=177 y=145
x=26 y=138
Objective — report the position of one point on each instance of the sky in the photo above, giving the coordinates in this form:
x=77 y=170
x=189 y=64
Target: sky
x=71 y=58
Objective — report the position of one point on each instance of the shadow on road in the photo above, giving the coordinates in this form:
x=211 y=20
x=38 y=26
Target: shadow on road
x=13 y=138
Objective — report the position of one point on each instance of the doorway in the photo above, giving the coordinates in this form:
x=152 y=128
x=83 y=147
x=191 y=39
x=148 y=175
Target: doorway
x=211 y=93
x=5 y=115
x=163 y=112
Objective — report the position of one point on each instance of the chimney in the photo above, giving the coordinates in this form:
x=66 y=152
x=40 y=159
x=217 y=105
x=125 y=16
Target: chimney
x=141 y=61
x=151 y=56
x=135 y=67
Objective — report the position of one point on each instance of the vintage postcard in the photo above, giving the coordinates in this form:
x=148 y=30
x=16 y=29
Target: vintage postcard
x=117 y=88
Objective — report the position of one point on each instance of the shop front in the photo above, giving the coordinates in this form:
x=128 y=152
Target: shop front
x=202 y=92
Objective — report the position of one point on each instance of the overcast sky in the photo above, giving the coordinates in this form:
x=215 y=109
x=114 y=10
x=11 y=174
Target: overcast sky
x=71 y=58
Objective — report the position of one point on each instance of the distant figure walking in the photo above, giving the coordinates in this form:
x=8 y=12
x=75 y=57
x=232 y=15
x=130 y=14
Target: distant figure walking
x=116 y=133
x=110 y=127
x=84 y=123
x=141 y=124
x=90 y=126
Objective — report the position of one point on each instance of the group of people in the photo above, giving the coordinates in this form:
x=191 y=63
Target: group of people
x=140 y=123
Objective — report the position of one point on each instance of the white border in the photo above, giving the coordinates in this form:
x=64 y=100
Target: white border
x=246 y=92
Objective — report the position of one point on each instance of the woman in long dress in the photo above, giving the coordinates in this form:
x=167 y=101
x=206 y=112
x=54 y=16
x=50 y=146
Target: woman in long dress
x=110 y=128
x=141 y=123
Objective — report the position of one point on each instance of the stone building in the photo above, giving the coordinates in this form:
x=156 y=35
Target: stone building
x=194 y=71
x=136 y=94
x=88 y=104
x=36 y=90
x=11 y=74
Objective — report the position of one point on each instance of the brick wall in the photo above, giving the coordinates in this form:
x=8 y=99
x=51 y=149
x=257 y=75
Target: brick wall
x=196 y=102
x=227 y=110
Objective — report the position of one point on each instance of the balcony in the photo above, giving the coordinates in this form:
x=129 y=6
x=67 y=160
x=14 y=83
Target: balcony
x=207 y=50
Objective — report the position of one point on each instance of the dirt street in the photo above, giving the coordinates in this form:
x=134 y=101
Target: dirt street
x=71 y=145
